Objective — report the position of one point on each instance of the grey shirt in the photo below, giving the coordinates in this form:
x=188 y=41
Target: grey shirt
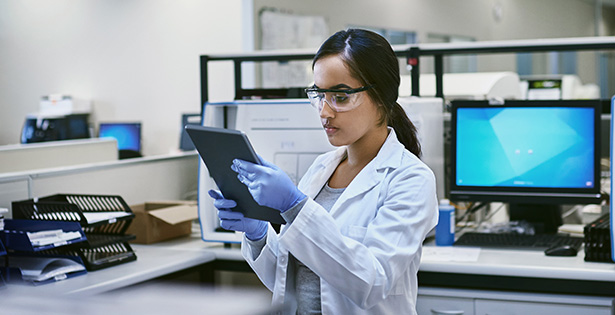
x=307 y=283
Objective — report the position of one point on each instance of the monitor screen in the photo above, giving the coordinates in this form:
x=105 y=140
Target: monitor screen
x=526 y=151
x=128 y=135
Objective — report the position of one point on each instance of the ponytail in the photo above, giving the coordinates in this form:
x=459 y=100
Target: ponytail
x=404 y=128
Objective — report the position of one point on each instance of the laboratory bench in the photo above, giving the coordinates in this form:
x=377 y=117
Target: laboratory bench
x=517 y=281
x=152 y=262
x=472 y=280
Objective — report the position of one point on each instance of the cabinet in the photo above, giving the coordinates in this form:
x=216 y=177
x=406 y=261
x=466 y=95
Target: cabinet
x=432 y=301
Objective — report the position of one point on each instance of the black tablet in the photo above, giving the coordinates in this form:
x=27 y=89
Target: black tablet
x=218 y=147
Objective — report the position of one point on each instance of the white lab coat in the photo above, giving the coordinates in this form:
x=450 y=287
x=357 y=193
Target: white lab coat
x=367 y=249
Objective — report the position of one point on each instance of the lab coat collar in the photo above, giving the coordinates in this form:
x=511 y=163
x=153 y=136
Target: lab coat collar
x=391 y=152
x=327 y=167
x=389 y=156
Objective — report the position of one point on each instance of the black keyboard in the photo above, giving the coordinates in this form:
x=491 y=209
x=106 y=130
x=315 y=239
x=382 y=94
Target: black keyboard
x=518 y=241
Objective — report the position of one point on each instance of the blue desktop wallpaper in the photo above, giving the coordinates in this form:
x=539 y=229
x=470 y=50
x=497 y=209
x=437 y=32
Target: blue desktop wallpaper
x=550 y=147
x=128 y=135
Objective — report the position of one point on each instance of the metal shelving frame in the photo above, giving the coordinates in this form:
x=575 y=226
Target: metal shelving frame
x=413 y=54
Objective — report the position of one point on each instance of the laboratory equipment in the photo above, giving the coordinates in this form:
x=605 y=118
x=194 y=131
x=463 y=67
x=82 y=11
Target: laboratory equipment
x=45 y=127
x=427 y=115
x=59 y=118
x=598 y=239
x=535 y=155
x=555 y=87
x=286 y=132
x=469 y=86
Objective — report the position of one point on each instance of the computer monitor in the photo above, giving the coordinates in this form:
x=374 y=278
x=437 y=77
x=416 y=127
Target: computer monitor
x=536 y=155
x=185 y=144
x=127 y=134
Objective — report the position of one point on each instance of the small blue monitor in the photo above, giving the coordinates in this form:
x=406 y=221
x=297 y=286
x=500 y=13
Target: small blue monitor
x=128 y=135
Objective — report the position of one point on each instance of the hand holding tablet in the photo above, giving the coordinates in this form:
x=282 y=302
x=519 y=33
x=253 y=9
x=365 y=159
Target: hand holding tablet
x=218 y=148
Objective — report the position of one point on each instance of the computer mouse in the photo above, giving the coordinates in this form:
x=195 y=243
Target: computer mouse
x=563 y=250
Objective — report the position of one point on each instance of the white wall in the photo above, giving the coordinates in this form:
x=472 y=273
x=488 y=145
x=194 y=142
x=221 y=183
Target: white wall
x=520 y=19
x=139 y=59
x=169 y=177
x=136 y=60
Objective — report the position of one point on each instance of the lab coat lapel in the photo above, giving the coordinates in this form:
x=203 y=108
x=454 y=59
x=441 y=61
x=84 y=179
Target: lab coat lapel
x=373 y=173
x=363 y=182
x=328 y=166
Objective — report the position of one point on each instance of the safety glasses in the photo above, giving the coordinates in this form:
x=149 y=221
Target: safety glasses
x=338 y=100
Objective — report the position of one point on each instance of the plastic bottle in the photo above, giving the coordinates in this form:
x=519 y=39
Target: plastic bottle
x=445 y=230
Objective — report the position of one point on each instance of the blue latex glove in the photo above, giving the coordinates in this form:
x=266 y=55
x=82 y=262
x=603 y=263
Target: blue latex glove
x=235 y=221
x=268 y=184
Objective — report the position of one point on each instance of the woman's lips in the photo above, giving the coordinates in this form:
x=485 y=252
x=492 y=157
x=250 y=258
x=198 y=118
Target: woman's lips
x=330 y=129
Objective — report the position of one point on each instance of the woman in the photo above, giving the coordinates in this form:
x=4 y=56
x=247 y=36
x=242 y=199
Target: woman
x=357 y=220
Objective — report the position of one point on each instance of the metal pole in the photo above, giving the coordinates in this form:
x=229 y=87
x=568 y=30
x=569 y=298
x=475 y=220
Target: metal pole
x=238 y=89
x=439 y=71
x=204 y=83
x=413 y=61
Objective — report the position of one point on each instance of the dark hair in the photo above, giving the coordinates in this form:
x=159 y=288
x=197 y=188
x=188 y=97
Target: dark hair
x=370 y=58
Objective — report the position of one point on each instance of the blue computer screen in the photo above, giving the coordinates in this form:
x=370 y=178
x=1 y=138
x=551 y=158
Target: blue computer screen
x=128 y=135
x=530 y=147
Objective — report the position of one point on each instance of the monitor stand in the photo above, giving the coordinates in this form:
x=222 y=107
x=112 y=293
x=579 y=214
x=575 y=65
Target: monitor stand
x=545 y=218
x=129 y=154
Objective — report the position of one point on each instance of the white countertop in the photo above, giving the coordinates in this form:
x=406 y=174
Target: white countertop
x=521 y=263
x=164 y=258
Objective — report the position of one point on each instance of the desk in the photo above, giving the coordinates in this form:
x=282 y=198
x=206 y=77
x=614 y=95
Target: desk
x=152 y=262
x=497 y=275
x=529 y=271
x=97 y=292
x=523 y=282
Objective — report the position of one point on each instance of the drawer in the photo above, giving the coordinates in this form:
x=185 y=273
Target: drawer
x=497 y=307
x=436 y=305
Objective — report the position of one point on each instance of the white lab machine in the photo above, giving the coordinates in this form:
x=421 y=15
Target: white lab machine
x=288 y=133
x=427 y=116
x=285 y=132
x=470 y=86
x=557 y=87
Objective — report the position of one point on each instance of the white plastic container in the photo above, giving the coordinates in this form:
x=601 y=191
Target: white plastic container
x=3 y=211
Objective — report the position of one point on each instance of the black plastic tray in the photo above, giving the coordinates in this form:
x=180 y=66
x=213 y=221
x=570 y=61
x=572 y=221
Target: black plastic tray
x=107 y=255
x=71 y=207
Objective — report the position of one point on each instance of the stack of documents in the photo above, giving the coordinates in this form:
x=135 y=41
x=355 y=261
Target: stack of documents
x=56 y=237
x=111 y=216
x=37 y=269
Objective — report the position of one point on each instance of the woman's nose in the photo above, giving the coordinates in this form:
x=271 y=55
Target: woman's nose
x=326 y=110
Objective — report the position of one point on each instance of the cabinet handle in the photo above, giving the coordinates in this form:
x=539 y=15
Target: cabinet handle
x=439 y=312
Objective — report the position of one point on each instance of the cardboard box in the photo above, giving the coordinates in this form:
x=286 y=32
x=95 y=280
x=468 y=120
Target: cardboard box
x=162 y=220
